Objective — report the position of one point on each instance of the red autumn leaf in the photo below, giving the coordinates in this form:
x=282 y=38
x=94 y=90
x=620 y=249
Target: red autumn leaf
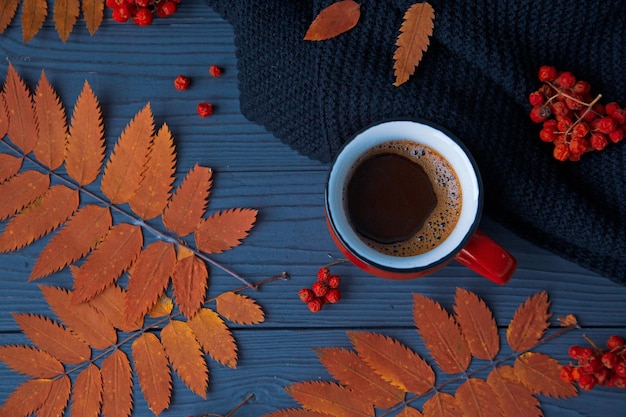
x=21 y=190
x=239 y=309
x=8 y=9
x=477 y=324
x=413 y=40
x=93 y=12
x=331 y=398
x=22 y=128
x=34 y=13
x=441 y=334
x=442 y=404
x=9 y=165
x=31 y=362
x=475 y=399
x=110 y=303
x=58 y=398
x=87 y=393
x=65 y=15
x=27 y=398
x=514 y=398
x=529 y=323
x=153 y=370
x=51 y=123
x=224 y=230
x=334 y=20
x=117 y=385
x=190 y=282
x=215 y=337
x=186 y=208
x=541 y=374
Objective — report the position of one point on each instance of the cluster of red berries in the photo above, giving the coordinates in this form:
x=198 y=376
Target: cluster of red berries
x=595 y=366
x=324 y=290
x=572 y=120
x=182 y=82
x=141 y=12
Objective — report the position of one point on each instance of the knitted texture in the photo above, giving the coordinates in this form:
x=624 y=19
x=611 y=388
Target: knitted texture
x=474 y=80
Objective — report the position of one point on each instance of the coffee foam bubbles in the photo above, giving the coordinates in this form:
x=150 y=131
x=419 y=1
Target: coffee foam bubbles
x=444 y=217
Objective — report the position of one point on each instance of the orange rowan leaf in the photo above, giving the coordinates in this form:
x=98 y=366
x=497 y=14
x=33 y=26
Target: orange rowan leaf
x=93 y=12
x=8 y=9
x=39 y=218
x=87 y=322
x=296 y=412
x=442 y=404
x=58 y=398
x=162 y=308
x=84 y=150
x=31 y=361
x=409 y=412
x=215 y=337
x=475 y=399
x=149 y=278
x=568 y=321
x=9 y=166
x=153 y=370
x=87 y=393
x=65 y=16
x=114 y=255
x=183 y=351
x=190 y=282
x=51 y=123
x=529 y=323
x=441 y=334
x=27 y=398
x=224 y=230
x=334 y=20
x=239 y=309
x=477 y=325
x=514 y=398
x=413 y=40
x=123 y=172
x=541 y=374
x=4 y=112
x=110 y=303
x=22 y=129
x=151 y=198
x=394 y=362
x=78 y=237
x=331 y=398
x=21 y=190
x=53 y=338
x=351 y=370
x=34 y=13
x=186 y=208
x=117 y=385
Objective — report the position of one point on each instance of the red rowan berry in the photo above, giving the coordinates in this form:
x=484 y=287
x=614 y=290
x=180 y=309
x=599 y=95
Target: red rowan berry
x=566 y=373
x=315 y=305
x=603 y=376
x=609 y=360
x=113 y=3
x=536 y=98
x=615 y=342
x=574 y=102
x=306 y=295
x=333 y=295
x=560 y=110
x=580 y=130
x=215 y=71
x=606 y=124
x=143 y=17
x=547 y=73
x=586 y=382
x=620 y=368
x=578 y=146
x=564 y=124
x=618 y=381
x=334 y=281
x=143 y=3
x=182 y=82
x=166 y=8
x=204 y=109
x=619 y=115
x=323 y=274
x=610 y=108
x=581 y=87
x=566 y=79
x=539 y=113
x=616 y=135
x=561 y=152
x=123 y=12
x=592 y=365
x=320 y=288
x=598 y=141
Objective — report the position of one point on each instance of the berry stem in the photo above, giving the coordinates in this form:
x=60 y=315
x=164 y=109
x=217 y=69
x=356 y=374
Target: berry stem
x=589 y=107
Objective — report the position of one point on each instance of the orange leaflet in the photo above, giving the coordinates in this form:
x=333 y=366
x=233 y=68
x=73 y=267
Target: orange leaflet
x=77 y=238
x=117 y=387
x=409 y=412
x=21 y=190
x=31 y=362
x=9 y=165
x=413 y=40
x=57 y=399
x=4 y=114
x=529 y=323
x=330 y=398
x=334 y=20
x=215 y=337
x=475 y=398
x=152 y=367
x=22 y=129
x=27 y=398
x=85 y=144
x=190 y=282
x=239 y=309
x=7 y=13
x=162 y=308
x=224 y=230
x=39 y=218
x=186 y=356
x=51 y=123
x=111 y=302
x=34 y=13
x=151 y=198
x=65 y=15
x=87 y=393
x=187 y=206
x=394 y=362
x=541 y=374
x=477 y=324
x=123 y=172
x=93 y=12
x=514 y=398
x=442 y=404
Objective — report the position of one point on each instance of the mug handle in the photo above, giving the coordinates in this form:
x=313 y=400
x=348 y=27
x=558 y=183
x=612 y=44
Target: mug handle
x=485 y=257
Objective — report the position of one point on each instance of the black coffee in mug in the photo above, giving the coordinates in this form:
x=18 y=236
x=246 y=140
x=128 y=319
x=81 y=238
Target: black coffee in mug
x=403 y=198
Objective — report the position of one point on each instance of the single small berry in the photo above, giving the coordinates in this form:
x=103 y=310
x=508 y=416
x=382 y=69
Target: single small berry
x=334 y=281
x=609 y=360
x=320 y=288
x=204 y=109
x=586 y=382
x=332 y=296
x=561 y=152
x=306 y=295
x=567 y=373
x=536 y=98
x=606 y=124
x=620 y=368
x=182 y=82
x=215 y=71
x=166 y=8
x=547 y=73
x=143 y=17
x=123 y=12
x=611 y=107
x=566 y=79
x=581 y=87
x=315 y=305
x=592 y=365
x=539 y=113
x=323 y=274
x=598 y=141
x=616 y=135
x=615 y=342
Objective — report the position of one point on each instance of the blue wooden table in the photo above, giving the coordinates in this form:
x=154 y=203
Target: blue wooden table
x=128 y=66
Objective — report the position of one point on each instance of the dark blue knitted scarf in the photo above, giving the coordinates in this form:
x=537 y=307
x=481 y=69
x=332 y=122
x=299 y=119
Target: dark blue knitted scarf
x=474 y=80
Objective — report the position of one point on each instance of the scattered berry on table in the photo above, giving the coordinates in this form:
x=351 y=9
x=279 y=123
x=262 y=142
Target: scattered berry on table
x=325 y=290
x=141 y=12
x=204 y=109
x=215 y=71
x=182 y=82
